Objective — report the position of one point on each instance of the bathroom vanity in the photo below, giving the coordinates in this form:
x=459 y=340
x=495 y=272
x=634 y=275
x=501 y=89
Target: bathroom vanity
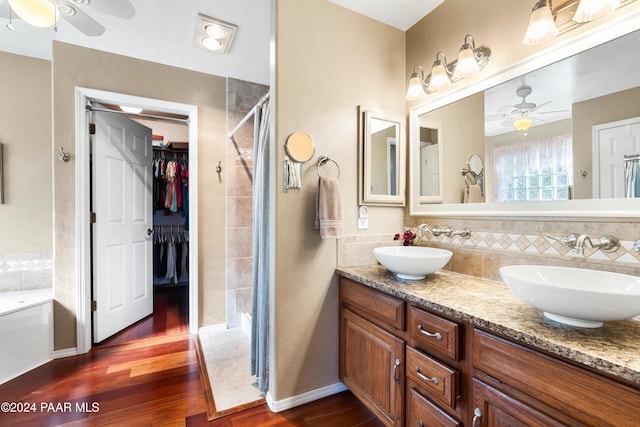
x=455 y=350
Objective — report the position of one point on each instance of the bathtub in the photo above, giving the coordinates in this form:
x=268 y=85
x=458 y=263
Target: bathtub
x=26 y=331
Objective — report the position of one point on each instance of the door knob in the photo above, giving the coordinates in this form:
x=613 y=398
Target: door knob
x=149 y=232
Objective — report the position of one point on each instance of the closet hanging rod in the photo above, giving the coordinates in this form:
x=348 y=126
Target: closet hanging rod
x=249 y=114
x=631 y=157
x=148 y=116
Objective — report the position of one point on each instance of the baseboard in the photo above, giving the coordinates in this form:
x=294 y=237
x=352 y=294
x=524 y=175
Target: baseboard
x=301 y=399
x=217 y=327
x=65 y=352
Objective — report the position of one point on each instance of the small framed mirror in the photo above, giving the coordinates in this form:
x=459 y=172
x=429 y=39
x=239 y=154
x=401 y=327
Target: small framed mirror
x=381 y=158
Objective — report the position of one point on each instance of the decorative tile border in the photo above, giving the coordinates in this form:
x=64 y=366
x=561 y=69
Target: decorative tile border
x=26 y=271
x=535 y=245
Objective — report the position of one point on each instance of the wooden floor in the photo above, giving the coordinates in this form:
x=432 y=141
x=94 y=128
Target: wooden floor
x=148 y=376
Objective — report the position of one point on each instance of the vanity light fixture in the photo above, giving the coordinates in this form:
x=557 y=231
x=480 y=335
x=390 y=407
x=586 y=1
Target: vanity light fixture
x=39 y=13
x=547 y=22
x=471 y=60
x=542 y=26
x=213 y=34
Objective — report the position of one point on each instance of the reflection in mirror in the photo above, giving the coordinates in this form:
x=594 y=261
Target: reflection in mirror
x=557 y=133
x=381 y=158
x=430 y=143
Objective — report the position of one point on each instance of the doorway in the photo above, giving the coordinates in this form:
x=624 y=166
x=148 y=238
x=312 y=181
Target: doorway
x=83 y=201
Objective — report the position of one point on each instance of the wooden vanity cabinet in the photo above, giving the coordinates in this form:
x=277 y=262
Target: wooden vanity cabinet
x=566 y=394
x=372 y=350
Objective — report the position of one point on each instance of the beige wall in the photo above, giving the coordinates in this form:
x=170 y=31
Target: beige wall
x=76 y=66
x=328 y=61
x=605 y=109
x=26 y=219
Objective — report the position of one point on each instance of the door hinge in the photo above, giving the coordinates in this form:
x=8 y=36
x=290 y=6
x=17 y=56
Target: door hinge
x=92 y=217
x=92 y=128
x=94 y=306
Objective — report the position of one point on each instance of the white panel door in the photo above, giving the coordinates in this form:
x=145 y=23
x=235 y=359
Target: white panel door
x=611 y=142
x=122 y=189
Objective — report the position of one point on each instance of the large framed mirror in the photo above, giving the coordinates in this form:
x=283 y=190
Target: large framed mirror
x=556 y=131
x=381 y=158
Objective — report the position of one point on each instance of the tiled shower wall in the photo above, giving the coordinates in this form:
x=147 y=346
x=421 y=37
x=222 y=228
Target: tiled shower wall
x=496 y=242
x=241 y=98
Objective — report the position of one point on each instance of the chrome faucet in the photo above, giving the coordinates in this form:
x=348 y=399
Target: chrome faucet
x=449 y=231
x=577 y=243
x=604 y=243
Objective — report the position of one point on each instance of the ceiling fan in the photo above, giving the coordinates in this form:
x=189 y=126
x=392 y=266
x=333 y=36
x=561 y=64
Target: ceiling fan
x=524 y=112
x=72 y=11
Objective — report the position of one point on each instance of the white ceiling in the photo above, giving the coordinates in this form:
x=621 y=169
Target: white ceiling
x=401 y=14
x=163 y=31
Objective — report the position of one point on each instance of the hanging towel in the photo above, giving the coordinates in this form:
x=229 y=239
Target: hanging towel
x=475 y=194
x=328 y=208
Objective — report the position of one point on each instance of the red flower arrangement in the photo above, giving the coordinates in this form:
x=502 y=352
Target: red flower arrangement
x=408 y=238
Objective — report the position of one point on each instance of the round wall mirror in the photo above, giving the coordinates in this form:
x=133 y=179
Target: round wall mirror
x=300 y=147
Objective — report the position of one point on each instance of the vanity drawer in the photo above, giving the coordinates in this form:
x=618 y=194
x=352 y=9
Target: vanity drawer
x=558 y=384
x=438 y=380
x=379 y=308
x=431 y=332
x=421 y=412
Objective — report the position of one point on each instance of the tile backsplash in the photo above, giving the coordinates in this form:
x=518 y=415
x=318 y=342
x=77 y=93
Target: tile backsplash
x=497 y=242
x=25 y=271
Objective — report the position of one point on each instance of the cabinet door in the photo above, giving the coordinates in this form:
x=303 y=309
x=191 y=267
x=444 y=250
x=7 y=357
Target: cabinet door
x=493 y=408
x=372 y=366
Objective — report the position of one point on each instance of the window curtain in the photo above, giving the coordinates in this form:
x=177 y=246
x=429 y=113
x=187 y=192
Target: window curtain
x=632 y=178
x=261 y=243
x=546 y=156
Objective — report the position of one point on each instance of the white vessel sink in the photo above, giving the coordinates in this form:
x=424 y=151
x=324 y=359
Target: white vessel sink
x=575 y=296
x=412 y=262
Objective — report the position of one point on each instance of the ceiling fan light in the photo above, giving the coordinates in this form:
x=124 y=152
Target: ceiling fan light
x=467 y=64
x=523 y=123
x=39 y=13
x=541 y=25
x=589 y=10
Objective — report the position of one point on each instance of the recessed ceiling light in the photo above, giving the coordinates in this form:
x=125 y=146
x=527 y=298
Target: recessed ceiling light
x=215 y=31
x=211 y=43
x=213 y=34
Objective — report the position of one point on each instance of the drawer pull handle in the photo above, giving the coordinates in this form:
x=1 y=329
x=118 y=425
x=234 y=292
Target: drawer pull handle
x=437 y=335
x=477 y=414
x=395 y=369
x=433 y=380
x=420 y=423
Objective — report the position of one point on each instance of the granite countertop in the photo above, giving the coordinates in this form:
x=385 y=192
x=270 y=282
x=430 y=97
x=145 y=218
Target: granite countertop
x=612 y=349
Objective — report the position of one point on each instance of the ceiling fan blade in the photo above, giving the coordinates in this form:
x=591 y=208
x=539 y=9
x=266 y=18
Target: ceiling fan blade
x=551 y=112
x=540 y=105
x=507 y=109
x=120 y=8
x=492 y=117
x=83 y=22
x=507 y=123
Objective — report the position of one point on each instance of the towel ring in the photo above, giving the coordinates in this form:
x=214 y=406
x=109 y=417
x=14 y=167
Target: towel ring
x=322 y=160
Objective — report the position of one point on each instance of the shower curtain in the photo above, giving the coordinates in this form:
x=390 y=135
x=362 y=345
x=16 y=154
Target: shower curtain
x=632 y=178
x=261 y=243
